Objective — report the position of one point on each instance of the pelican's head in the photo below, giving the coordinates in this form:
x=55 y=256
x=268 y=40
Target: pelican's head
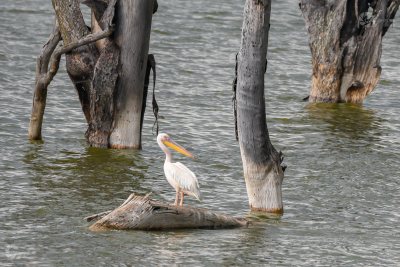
x=164 y=139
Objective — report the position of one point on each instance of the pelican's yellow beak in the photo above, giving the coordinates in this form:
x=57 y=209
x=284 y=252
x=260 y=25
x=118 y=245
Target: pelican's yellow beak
x=178 y=148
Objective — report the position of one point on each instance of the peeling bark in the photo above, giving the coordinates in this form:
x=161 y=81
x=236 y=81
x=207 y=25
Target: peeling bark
x=81 y=61
x=46 y=68
x=262 y=168
x=104 y=82
x=345 y=39
x=142 y=213
x=110 y=91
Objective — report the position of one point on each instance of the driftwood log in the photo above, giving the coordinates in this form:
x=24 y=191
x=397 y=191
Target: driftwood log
x=143 y=213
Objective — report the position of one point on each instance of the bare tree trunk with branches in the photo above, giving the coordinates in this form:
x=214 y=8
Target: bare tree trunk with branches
x=107 y=70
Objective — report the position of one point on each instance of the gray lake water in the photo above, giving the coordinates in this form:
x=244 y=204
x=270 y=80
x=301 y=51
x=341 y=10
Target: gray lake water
x=341 y=187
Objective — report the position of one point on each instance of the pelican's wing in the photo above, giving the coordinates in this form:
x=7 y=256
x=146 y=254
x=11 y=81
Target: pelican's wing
x=186 y=179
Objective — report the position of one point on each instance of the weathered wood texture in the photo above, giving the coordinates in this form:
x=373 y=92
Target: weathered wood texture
x=104 y=83
x=345 y=38
x=133 y=19
x=142 y=213
x=81 y=61
x=261 y=162
x=110 y=90
x=43 y=78
x=46 y=68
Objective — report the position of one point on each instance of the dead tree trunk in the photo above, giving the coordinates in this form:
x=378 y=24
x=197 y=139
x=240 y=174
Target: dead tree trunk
x=142 y=213
x=134 y=20
x=261 y=162
x=81 y=61
x=110 y=87
x=345 y=39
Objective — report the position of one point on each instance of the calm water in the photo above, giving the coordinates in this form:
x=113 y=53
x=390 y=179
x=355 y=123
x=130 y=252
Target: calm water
x=341 y=188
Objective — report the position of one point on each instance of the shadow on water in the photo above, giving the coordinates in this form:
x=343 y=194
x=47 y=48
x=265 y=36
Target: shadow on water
x=346 y=121
x=90 y=173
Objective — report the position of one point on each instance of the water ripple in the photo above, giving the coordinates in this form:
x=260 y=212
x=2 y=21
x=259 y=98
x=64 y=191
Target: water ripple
x=340 y=189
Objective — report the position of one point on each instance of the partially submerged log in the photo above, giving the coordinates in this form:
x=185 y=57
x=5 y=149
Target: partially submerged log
x=143 y=213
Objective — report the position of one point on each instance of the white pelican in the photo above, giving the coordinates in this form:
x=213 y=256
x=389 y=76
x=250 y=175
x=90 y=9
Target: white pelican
x=182 y=179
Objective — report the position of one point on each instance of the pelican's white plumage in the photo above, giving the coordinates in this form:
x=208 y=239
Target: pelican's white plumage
x=182 y=179
x=179 y=176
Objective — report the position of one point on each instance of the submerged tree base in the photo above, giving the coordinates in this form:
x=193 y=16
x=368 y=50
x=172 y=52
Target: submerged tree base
x=143 y=213
x=346 y=46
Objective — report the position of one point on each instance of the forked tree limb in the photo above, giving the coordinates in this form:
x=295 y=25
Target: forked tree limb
x=48 y=49
x=143 y=213
x=56 y=56
x=46 y=68
x=90 y=38
x=42 y=81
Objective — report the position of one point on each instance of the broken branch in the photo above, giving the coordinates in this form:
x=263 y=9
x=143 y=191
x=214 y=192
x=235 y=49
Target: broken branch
x=90 y=38
x=43 y=78
x=44 y=74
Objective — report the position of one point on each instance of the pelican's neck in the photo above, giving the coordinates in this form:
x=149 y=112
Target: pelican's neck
x=168 y=154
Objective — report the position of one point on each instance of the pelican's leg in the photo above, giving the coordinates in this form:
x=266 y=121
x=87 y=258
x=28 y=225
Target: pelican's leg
x=176 y=198
x=182 y=195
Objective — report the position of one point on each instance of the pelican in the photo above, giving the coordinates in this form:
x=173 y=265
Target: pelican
x=182 y=179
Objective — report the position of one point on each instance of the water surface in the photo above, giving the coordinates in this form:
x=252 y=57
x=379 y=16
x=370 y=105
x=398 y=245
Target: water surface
x=341 y=188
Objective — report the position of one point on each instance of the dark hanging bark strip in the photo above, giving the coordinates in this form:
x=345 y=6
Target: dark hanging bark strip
x=154 y=101
x=151 y=65
x=234 y=102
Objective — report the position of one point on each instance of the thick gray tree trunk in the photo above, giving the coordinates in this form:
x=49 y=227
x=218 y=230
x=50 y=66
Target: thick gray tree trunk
x=261 y=162
x=345 y=39
x=134 y=26
x=110 y=87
